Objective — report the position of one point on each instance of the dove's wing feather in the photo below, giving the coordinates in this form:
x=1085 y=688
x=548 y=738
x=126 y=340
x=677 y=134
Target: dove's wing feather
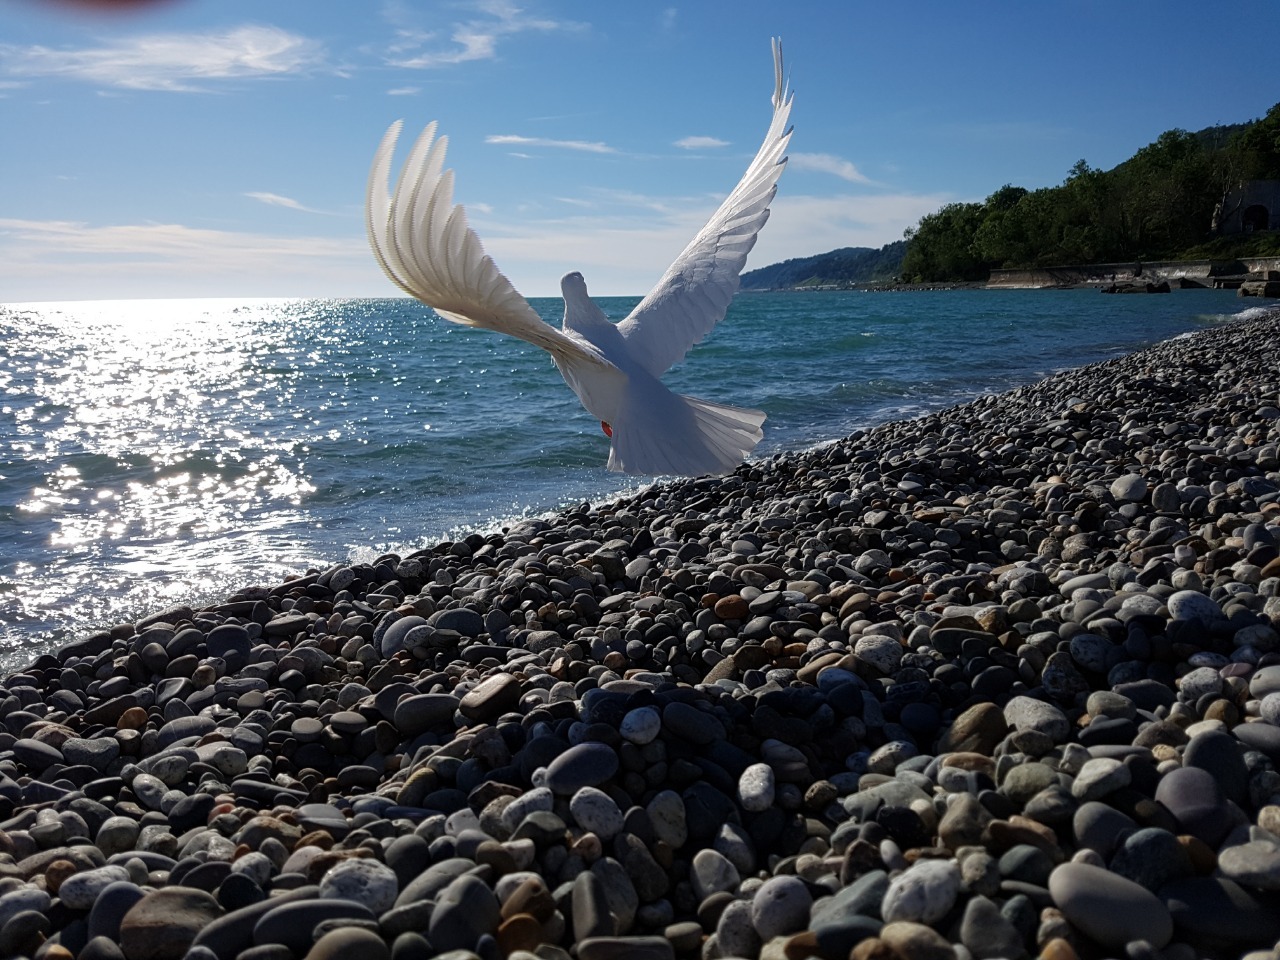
x=694 y=293
x=424 y=245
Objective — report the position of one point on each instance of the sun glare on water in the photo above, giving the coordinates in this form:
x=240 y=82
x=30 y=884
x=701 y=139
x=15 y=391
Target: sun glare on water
x=136 y=423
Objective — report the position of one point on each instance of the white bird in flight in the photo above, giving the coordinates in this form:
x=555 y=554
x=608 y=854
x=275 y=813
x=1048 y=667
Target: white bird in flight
x=424 y=245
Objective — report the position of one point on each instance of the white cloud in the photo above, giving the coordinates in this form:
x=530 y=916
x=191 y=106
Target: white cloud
x=626 y=240
x=170 y=61
x=403 y=91
x=582 y=145
x=804 y=225
x=475 y=39
x=58 y=259
x=275 y=200
x=622 y=241
x=827 y=163
x=701 y=143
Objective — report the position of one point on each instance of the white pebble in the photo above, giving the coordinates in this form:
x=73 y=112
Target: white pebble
x=362 y=880
x=641 y=725
x=595 y=811
x=756 y=787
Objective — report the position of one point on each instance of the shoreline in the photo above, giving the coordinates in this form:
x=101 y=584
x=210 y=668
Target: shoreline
x=1004 y=677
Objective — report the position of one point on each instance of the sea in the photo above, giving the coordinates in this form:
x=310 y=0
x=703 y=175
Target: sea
x=162 y=451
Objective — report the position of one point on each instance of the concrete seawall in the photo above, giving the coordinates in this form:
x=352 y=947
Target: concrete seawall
x=1065 y=276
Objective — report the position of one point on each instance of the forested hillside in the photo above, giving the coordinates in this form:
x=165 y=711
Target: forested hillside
x=843 y=267
x=1157 y=205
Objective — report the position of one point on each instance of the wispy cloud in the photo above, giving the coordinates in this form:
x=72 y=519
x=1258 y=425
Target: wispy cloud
x=828 y=163
x=701 y=143
x=169 y=259
x=275 y=200
x=181 y=62
x=474 y=39
x=403 y=91
x=624 y=241
x=585 y=146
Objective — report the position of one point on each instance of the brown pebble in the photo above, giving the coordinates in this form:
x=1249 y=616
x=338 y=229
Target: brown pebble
x=497 y=857
x=732 y=607
x=135 y=718
x=56 y=873
x=1053 y=926
x=915 y=941
x=588 y=847
x=1007 y=834
x=316 y=838
x=820 y=795
x=976 y=730
x=1162 y=752
x=519 y=932
x=801 y=946
x=872 y=948
x=860 y=857
x=57 y=952
x=1223 y=710
x=1058 y=949
x=532 y=897
x=968 y=760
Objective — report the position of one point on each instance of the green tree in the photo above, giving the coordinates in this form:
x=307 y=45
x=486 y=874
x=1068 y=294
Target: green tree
x=1157 y=204
x=1258 y=147
x=941 y=246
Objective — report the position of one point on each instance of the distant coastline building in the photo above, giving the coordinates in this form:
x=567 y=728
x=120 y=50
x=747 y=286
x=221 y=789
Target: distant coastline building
x=1252 y=207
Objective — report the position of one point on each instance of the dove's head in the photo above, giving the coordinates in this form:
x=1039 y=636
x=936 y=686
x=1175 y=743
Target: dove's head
x=573 y=286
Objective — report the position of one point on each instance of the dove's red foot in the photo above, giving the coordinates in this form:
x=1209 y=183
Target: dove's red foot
x=608 y=430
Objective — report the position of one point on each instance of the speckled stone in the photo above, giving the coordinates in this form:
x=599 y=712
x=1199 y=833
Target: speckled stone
x=923 y=893
x=596 y=811
x=363 y=880
x=1025 y=713
x=780 y=906
x=756 y=787
x=80 y=891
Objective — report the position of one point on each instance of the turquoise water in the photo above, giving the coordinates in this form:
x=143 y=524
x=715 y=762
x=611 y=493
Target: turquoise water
x=153 y=452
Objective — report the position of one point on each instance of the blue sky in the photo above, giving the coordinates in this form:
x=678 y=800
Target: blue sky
x=220 y=147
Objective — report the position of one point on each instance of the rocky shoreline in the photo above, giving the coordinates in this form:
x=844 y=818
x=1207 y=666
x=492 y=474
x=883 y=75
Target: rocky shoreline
x=1002 y=681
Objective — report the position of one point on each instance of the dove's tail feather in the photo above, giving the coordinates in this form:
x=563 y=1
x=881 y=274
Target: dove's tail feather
x=682 y=436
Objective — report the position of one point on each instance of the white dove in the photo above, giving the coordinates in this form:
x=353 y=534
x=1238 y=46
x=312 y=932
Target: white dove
x=424 y=245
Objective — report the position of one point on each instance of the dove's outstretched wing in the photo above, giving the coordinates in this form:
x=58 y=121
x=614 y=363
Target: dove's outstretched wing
x=423 y=243
x=694 y=293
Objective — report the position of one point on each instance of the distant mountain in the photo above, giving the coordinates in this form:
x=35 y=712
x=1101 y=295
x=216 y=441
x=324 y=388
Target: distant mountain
x=839 y=268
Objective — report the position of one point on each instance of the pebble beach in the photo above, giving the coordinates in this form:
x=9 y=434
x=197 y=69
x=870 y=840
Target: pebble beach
x=1002 y=681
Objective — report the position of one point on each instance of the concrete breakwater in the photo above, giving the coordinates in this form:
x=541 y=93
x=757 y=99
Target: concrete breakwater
x=1205 y=272
x=1001 y=681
